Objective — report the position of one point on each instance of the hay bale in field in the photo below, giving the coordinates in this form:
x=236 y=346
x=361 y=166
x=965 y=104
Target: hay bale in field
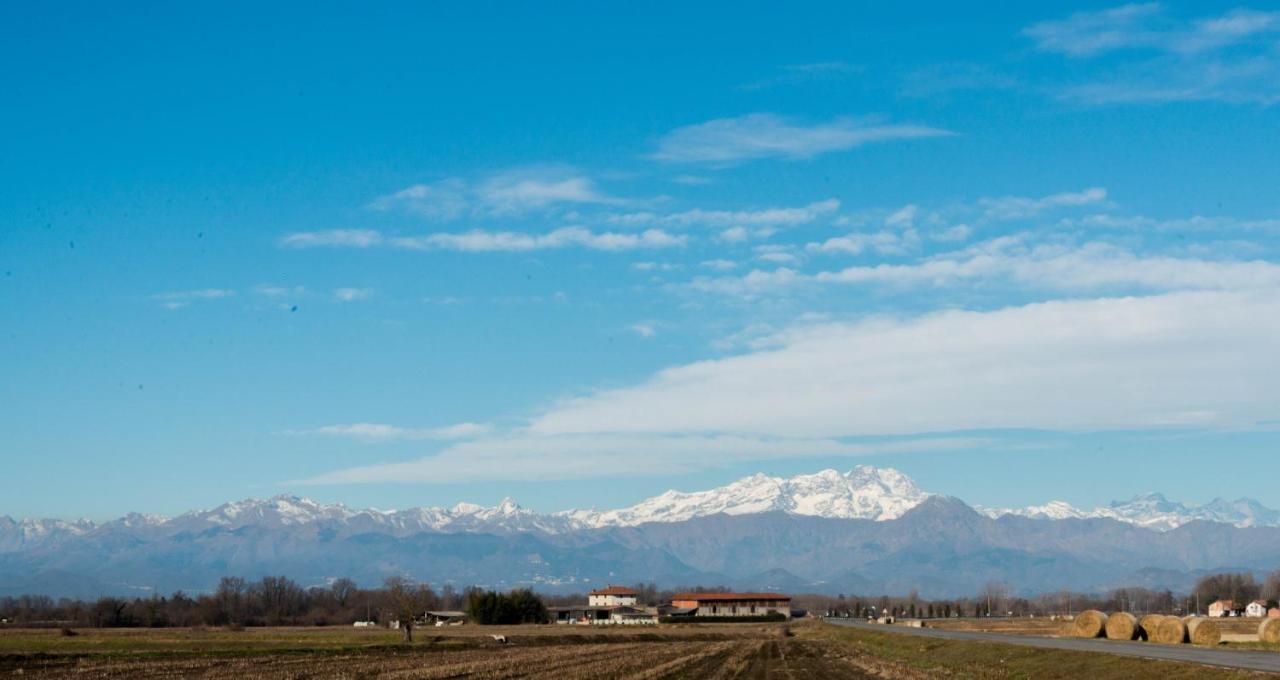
x=1122 y=626
x=1203 y=631
x=1269 y=631
x=1170 y=630
x=1147 y=626
x=1089 y=624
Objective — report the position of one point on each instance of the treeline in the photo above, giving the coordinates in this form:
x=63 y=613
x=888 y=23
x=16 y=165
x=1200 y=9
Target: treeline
x=269 y=601
x=998 y=599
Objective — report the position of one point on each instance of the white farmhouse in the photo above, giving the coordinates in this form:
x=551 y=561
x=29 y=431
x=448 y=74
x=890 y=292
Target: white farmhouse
x=1257 y=608
x=613 y=596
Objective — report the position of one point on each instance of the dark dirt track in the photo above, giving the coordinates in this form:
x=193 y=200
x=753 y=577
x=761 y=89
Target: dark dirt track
x=1250 y=660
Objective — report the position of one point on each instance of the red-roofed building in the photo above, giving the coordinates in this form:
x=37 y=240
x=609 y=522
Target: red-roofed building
x=733 y=604
x=613 y=596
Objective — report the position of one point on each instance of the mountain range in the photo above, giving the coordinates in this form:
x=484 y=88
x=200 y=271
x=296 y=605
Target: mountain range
x=868 y=530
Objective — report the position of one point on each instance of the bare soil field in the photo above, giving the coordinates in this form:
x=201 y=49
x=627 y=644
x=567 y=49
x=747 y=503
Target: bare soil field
x=798 y=650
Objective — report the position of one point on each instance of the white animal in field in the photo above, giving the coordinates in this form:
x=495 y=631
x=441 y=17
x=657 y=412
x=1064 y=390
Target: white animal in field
x=499 y=638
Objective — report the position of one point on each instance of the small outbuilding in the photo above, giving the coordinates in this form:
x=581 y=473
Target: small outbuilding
x=445 y=618
x=1256 y=609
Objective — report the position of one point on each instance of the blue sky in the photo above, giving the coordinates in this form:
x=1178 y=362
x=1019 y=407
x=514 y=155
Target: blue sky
x=579 y=254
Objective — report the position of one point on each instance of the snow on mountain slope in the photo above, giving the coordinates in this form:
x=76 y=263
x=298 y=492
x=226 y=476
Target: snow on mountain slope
x=864 y=492
x=1154 y=511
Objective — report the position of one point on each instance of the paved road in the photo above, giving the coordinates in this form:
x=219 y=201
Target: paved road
x=1252 y=660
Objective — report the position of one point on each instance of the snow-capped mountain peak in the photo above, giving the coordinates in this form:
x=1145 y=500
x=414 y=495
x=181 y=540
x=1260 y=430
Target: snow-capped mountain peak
x=863 y=493
x=1154 y=511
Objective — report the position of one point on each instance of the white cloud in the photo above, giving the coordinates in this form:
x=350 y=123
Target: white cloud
x=718 y=265
x=478 y=240
x=777 y=253
x=446 y=199
x=1180 y=359
x=183 y=298
x=1089 y=33
x=522 y=457
x=655 y=266
x=647 y=329
x=1230 y=57
x=509 y=192
x=383 y=432
x=1145 y=26
x=279 y=291
x=883 y=242
x=1021 y=207
x=767 y=217
x=1091 y=267
x=763 y=135
x=743 y=234
x=958 y=232
x=351 y=294
x=339 y=238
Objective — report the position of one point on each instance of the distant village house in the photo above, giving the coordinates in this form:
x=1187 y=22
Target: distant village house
x=1219 y=608
x=1257 y=608
x=613 y=596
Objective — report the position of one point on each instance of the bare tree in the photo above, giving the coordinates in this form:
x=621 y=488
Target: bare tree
x=407 y=601
x=1271 y=587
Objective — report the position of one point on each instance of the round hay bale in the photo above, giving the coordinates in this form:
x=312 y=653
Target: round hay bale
x=1269 y=631
x=1169 y=631
x=1090 y=623
x=1122 y=626
x=1203 y=631
x=1147 y=626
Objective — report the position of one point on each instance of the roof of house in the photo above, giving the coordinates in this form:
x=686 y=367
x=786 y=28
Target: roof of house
x=1224 y=603
x=730 y=597
x=615 y=590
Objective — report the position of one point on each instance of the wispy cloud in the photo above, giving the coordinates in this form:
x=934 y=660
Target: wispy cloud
x=520 y=456
x=1019 y=207
x=764 y=217
x=183 y=298
x=793 y=74
x=763 y=135
x=947 y=78
x=511 y=192
x=1191 y=359
x=645 y=329
x=496 y=241
x=480 y=240
x=352 y=294
x=1229 y=57
x=332 y=238
x=1147 y=26
x=1092 y=266
x=1184 y=359
x=384 y=432
x=273 y=291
